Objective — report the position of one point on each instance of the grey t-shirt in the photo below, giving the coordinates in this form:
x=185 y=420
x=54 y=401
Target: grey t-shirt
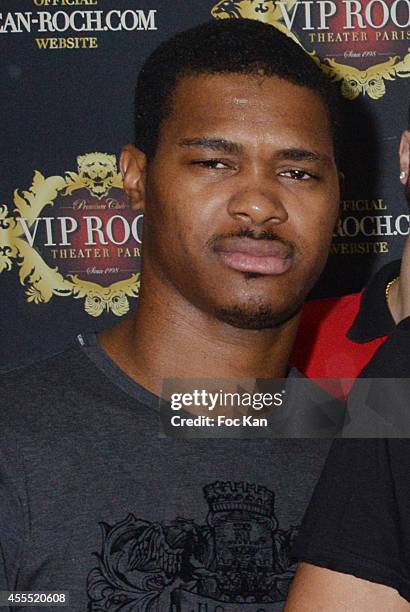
x=93 y=501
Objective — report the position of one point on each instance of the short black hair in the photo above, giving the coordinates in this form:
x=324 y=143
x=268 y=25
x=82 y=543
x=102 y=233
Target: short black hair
x=240 y=46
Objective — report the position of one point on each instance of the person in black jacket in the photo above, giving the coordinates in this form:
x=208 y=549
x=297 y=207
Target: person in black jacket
x=354 y=546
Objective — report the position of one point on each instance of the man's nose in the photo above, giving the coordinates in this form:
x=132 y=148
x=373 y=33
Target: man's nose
x=258 y=206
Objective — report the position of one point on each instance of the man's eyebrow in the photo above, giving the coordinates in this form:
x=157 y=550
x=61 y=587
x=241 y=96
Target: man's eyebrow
x=302 y=155
x=214 y=144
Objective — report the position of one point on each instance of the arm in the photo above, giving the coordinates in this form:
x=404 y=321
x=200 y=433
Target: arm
x=354 y=544
x=316 y=589
x=12 y=515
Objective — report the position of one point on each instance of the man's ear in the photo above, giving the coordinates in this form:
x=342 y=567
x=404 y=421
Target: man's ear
x=133 y=165
x=404 y=154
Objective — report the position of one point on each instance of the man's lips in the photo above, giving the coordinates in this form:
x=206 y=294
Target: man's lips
x=271 y=257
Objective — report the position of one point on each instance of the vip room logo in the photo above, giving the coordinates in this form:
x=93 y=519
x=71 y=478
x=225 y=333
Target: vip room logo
x=363 y=44
x=75 y=235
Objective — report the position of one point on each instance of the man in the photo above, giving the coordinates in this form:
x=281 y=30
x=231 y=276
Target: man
x=235 y=168
x=355 y=542
x=337 y=337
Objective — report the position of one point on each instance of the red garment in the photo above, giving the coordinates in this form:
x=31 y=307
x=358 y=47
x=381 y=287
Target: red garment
x=322 y=349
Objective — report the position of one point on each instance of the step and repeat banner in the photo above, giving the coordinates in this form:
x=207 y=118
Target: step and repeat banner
x=69 y=241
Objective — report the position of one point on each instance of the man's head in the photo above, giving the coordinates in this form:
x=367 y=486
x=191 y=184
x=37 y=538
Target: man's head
x=234 y=46
x=235 y=168
x=404 y=153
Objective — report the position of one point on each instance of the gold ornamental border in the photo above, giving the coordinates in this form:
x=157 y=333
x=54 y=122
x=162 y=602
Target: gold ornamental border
x=42 y=282
x=353 y=82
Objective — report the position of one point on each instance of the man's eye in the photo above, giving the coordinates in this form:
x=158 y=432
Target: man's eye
x=298 y=175
x=214 y=164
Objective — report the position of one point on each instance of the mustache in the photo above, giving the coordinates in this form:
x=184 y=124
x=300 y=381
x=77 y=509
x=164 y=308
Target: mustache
x=249 y=233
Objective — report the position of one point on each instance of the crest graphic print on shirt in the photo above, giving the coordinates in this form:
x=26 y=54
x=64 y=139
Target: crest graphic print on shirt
x=239 y=559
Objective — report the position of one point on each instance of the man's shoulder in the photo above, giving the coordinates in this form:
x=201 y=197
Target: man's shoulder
x=32 y=391
x=46 y=370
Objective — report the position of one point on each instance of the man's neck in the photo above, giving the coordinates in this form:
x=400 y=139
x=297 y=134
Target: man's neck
x=171 y=339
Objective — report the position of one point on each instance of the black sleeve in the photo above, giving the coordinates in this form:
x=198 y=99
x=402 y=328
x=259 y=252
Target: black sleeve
x=392 y=359
x=378 y=405
x=13 y=523
x=358 y=521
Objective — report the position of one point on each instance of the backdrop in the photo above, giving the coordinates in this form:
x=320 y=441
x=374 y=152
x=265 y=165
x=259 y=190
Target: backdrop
x=69 y=244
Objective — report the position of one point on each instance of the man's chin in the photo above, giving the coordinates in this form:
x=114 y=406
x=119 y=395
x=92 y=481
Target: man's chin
x=256 y=318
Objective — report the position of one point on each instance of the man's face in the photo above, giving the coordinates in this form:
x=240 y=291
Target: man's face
x=241 y=197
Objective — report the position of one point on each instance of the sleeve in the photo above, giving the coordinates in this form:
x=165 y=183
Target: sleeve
x=13 y=524
x=392 y=359
x=378 y=402
x=357 y=521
